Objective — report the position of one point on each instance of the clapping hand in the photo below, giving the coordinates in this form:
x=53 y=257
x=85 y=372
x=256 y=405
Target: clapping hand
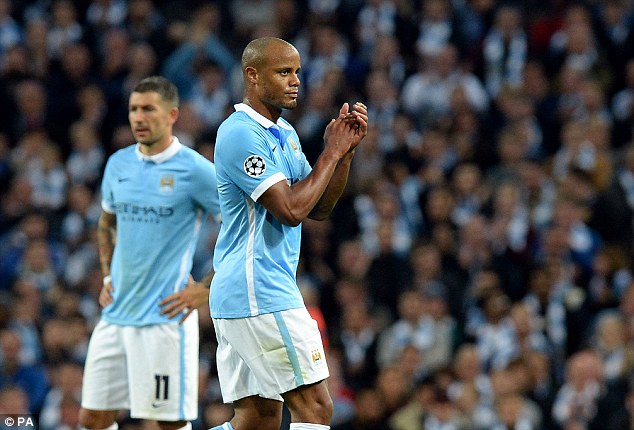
x=357 y=120
x=344 y=133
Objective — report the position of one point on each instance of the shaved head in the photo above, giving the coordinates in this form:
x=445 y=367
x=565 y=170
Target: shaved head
x=270 y=69
x=254 y=55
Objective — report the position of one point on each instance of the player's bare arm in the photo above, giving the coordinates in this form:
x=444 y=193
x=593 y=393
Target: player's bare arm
x=106 y=233
x=357 y=121
x=316 y=195
x=292 y=204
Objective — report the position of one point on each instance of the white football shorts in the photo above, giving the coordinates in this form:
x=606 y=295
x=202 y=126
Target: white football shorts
x=269 y=354
x=150 y=370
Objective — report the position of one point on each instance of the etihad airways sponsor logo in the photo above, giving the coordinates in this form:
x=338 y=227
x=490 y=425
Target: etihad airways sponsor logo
x=142 y=213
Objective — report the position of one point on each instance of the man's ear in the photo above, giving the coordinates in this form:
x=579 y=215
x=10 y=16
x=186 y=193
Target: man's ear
x=251 y=74
x=174 y=114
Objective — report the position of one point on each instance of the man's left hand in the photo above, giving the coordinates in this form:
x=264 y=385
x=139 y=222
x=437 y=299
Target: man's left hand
x=193 y=296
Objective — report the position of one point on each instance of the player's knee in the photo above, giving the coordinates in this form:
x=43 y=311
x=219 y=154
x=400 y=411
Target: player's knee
x=96 y=420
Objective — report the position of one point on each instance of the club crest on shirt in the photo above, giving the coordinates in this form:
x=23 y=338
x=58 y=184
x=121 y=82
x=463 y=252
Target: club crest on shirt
x=254 y=166
x=294 y=146
x=316 y=356
x=167 y=183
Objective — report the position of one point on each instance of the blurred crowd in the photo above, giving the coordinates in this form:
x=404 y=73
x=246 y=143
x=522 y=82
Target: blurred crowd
x=477 y=273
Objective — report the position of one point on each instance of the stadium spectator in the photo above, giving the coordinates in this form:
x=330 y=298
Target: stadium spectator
x=29 y=377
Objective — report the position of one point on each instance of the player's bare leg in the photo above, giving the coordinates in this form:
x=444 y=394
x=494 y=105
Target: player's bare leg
x=310 y=404
x=172 y=425
x=96 y=420
x=257 y=413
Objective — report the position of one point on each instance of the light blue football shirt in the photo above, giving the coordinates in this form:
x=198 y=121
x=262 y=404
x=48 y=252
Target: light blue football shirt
x=256 y=256
x=160 y=202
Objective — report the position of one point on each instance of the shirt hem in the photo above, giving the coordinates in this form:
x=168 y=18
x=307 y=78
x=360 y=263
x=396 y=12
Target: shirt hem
x=136 y=323
x=246 y=314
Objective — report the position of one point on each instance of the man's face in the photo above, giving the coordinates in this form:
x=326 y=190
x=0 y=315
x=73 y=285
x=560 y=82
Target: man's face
x=278 y=80
x=151 y=118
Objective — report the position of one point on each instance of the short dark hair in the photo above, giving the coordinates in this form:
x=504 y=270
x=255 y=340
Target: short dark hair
x=158 y=84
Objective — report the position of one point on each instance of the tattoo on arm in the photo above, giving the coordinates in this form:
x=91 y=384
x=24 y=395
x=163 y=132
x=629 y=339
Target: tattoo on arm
x=106 y=231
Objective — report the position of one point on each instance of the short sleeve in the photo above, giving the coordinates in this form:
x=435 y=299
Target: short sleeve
x=247 y=159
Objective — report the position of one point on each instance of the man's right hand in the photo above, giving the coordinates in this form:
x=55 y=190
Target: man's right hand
x=105 y=296
x=193 y=296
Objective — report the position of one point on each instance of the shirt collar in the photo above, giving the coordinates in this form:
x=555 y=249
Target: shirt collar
x=163 y=156
x=259 y=118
